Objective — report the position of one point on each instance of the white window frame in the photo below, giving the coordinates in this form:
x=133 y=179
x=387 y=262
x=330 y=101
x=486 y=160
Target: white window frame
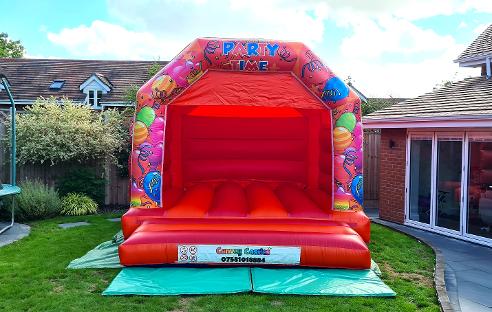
x=424 y=136
x=87 y=88
x=432 y=227
x=470 y=135
x=459 y=136
x=97 y=100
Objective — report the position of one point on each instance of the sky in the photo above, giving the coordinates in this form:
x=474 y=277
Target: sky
x=396 y=48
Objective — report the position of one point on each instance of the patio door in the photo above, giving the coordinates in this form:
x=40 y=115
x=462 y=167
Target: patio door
x=478 y=217
x=420 y=179
x=434 y=179
x=449 y=183
x=449 y=173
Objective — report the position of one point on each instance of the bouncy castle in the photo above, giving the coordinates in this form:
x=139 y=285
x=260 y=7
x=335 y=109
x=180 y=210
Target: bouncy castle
x=246 y=152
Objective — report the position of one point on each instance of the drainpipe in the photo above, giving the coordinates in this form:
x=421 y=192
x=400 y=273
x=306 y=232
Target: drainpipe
x=487 y=65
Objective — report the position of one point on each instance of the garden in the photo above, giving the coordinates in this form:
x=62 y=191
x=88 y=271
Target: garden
x=34 y=276
x=34 y=270
x=76 y=145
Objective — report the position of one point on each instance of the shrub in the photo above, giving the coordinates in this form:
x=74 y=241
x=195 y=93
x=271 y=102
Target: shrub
x=36 y=201
x=57 y=131
x=75 y=204
x=83 y=181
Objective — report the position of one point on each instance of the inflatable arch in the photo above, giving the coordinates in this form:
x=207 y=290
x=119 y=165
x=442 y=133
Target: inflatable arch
x=238 y=145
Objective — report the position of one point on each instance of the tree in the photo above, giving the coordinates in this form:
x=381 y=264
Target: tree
x=131 y=91
x=10 y=48
x=442 y=84
x=375 y=104
x=53 y=131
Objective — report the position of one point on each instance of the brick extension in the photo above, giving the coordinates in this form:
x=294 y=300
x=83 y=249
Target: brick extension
x=392 y=175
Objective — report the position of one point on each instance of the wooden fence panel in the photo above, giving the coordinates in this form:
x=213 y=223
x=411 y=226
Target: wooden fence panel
x=116 y=187
x=372 y=141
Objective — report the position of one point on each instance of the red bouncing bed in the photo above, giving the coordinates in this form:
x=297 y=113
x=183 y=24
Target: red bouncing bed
x=244 y=176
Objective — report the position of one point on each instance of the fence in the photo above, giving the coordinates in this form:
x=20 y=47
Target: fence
x=372 y=142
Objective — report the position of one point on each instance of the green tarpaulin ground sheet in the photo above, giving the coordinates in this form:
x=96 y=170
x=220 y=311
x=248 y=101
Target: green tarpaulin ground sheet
x=196 y=281
x=186 y=280
x=327 y=282
x=105 y=255
x=180 y=281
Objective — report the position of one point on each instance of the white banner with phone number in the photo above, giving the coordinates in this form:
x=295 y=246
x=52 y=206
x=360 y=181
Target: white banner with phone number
x=239 y=254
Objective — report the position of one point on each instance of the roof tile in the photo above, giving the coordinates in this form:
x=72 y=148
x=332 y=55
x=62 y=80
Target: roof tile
x=468 y=97
x=481 y=46
x=31 y=78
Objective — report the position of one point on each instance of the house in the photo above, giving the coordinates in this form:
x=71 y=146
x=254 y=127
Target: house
x=436 y=154
x=99 y=84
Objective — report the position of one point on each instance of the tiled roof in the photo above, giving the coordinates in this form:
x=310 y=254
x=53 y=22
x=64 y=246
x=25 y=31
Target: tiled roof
x=466 y=98
x=481 y=46
x=31 y=78
x=389 y=100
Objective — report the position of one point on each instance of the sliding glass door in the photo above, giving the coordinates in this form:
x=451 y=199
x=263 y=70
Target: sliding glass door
x=420 y=179
x=479 y=185
x=448 y=182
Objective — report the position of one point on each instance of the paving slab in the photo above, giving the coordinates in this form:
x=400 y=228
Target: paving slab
x=468 y=305
x=459 y=265
x=475 y=292
x=371 y=212
x=16 y=232
x=468 y=270
x=73 y=224
x=476 y=276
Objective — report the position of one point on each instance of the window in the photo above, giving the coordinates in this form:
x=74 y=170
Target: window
x=448 y=183
x=420 y=179
x=94 y=97
x=57 y=84
x=479 y=214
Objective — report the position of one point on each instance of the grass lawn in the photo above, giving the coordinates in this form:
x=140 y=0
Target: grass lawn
x=33 y=277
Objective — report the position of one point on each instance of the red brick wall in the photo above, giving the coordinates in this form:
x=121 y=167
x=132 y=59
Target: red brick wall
x=392 y=175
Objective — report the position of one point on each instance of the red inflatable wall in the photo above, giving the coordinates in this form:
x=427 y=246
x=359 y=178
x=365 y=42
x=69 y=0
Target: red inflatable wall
x=251 y=148
x=281 y=69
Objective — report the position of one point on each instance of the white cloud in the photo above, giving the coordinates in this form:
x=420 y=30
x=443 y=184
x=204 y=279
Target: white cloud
x=480 y=29
x=391 y=56
x=185 y=20
x=402 y=79
x=372 y=39
x=410 y=10
x=105 y=40
x=385 y=53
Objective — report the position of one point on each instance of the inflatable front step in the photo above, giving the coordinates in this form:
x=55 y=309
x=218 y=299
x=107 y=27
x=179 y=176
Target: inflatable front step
x=250 y=203
x=331 y=245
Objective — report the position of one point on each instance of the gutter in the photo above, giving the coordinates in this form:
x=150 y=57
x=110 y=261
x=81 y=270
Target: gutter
x=483 y=121
x=102 y=104
x=472 y=58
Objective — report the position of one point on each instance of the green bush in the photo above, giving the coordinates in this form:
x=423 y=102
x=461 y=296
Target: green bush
x=75 y=204
x=84 y=181
x=36 y=201
x=57 y=131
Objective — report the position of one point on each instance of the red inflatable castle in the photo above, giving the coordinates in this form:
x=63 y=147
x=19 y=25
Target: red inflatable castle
x=246 y=152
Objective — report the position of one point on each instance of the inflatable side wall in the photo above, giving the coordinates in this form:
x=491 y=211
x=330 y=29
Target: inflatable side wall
x=245 y=56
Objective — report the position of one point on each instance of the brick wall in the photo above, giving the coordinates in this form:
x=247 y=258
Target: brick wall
x=392 y=175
